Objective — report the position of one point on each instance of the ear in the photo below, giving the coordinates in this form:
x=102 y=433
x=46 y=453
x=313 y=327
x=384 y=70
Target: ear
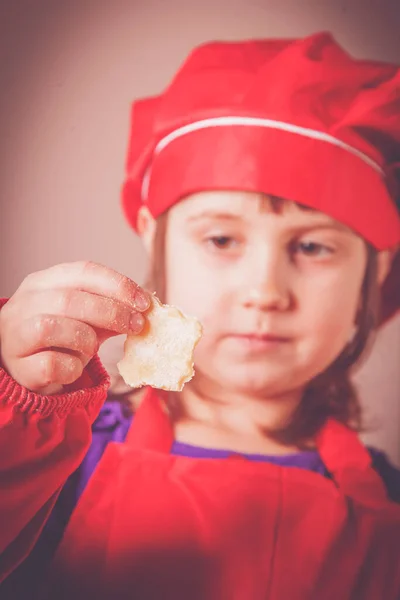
x=146 y=225
x=385 y=259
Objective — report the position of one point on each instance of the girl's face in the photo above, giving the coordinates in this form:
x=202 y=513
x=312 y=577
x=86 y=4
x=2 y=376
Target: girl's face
x=277 y=289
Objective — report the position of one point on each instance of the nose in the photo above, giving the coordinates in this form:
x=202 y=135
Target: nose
x=268 y=287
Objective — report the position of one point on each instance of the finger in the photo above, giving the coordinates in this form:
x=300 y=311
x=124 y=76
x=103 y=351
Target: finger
x=42 y=332
x=136 y=325
x=96 y=311
x=90 y=277
x=38 y=371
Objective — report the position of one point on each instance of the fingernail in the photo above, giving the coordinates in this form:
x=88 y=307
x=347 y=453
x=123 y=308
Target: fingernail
x=136 y=323
x=142 y=301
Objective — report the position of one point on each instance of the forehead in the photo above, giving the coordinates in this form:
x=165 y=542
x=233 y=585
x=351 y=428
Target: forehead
x=245 y=205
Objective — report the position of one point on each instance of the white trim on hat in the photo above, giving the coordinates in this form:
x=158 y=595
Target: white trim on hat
x=254 y=122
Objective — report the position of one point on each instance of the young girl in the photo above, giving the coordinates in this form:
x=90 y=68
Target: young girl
x=262 y=182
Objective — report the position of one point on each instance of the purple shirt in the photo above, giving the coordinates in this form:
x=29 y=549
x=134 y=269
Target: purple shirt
x=112 y=425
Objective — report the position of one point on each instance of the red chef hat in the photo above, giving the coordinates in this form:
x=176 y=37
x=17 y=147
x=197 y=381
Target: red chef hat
x=299 y=119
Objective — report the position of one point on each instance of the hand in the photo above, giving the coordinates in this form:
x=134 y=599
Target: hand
x=58 y=318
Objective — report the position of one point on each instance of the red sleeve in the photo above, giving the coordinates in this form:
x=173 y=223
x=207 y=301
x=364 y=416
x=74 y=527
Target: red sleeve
x=43 y=439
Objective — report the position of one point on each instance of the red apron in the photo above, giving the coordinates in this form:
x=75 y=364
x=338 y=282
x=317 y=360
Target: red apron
x=152 y=525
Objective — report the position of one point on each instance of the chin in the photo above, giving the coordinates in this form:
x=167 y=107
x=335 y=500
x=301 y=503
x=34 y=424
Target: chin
x=260 y=388
x=252 y=381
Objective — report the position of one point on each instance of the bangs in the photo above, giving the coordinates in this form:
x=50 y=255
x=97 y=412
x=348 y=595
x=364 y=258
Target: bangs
x=276 y=204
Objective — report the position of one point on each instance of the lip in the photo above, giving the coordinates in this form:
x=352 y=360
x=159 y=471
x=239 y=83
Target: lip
x=267 y=337
x=259 y=342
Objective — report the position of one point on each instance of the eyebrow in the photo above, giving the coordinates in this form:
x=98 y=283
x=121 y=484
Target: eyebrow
x=212 y=214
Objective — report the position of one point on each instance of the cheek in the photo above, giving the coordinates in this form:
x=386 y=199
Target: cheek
x=333 y=309
x=191 y=286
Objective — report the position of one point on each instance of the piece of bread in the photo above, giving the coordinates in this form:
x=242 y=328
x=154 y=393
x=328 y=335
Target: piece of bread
x=162 y=355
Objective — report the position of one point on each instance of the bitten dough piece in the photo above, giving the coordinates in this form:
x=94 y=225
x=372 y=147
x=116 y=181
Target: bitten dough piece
x=162 y=355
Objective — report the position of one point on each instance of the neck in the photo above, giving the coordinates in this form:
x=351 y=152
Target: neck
x=203 y=414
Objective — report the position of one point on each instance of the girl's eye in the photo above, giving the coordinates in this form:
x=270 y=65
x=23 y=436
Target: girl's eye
x=222 y=242
x=309 y=248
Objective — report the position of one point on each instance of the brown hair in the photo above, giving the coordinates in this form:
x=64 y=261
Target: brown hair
x=330 y=394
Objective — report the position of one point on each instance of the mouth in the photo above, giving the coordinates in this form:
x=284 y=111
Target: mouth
x=259 y=342
x=263 y=336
